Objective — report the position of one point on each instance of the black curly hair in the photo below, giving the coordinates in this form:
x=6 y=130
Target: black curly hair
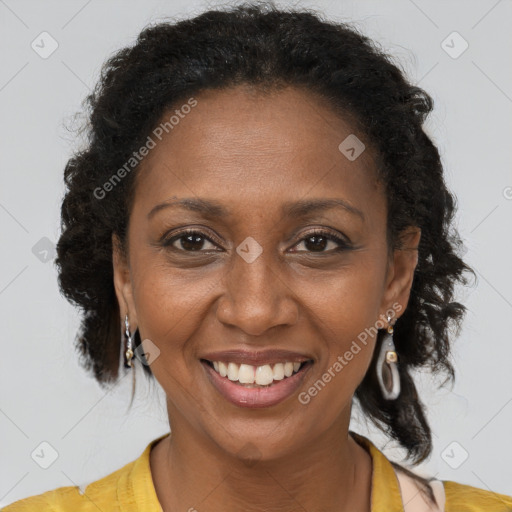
x=267 y=47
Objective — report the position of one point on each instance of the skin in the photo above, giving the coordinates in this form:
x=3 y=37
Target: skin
x=253 y=152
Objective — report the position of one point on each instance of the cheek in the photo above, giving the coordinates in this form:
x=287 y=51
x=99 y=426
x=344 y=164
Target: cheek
x=347 y=302
x=345 y=312
x=349 y=344
x=170 y=304
x=168 y=299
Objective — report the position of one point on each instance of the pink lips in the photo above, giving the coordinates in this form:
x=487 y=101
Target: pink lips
x=256 y=397
x=256 y=358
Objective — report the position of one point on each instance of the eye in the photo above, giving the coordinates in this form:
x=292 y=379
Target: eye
x=318 y=240
x=189 y=240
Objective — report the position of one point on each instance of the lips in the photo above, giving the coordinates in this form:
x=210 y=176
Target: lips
x=256 y=358
x=246 y=392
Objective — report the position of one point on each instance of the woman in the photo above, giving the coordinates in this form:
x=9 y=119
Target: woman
x=261 y=212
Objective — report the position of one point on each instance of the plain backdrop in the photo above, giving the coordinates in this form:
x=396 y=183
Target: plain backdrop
x=46 y=397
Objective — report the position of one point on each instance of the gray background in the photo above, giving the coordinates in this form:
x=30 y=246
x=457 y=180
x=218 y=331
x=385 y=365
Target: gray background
x=47 y=397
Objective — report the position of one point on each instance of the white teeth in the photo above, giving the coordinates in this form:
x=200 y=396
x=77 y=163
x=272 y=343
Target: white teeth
x=246 y=374
x=261 y=375
x=232 y=371
x=264 y=375
x=223 y=369
x=278 y=371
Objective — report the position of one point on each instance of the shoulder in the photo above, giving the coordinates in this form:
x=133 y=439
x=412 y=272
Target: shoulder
x=472 y=499
x=98 y=495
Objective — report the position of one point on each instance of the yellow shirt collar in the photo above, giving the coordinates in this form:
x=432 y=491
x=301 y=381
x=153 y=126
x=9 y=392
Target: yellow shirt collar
x=136 y=487
x=385 y=488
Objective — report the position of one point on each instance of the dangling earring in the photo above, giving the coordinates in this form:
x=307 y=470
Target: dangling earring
x=129 y=352
x=387 y=369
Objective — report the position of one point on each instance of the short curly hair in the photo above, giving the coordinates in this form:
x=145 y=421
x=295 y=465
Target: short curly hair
x=268 y=47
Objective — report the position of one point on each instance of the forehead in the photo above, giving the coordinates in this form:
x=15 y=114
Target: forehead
x=250 y=149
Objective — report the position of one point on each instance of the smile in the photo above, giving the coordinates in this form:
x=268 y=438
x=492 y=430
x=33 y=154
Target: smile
x=247 y=374
x=253 y=386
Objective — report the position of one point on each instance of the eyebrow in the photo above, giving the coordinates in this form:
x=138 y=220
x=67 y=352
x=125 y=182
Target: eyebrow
x=212 y=208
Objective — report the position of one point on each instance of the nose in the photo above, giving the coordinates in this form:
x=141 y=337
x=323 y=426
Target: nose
x=257 y=296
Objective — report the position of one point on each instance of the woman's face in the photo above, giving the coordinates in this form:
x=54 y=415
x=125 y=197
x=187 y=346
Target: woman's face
x=254 y=278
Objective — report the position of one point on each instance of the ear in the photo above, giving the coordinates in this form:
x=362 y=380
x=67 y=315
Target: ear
x=400 y=272
x=123 y=283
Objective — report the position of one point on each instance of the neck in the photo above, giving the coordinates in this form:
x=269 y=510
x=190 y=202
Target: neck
x=331 y=473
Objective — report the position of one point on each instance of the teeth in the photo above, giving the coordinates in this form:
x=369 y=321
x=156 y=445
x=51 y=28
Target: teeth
x=264 y=375
x=246 y=374
x=278 y=371
x=232 y=371
x=251 y=375
x=223 y=369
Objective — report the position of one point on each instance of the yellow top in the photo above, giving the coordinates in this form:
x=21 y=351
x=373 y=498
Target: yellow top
x=131 y=489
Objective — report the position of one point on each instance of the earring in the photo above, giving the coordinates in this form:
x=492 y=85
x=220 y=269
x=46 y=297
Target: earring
x=129 y=352
x=387 y=369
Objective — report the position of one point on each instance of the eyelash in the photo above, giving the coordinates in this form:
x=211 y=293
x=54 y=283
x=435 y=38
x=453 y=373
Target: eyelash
x=343 y=245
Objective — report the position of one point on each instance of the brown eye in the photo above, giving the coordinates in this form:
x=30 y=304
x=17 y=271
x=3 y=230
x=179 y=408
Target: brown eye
x=189 y=241
x=319 y=241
